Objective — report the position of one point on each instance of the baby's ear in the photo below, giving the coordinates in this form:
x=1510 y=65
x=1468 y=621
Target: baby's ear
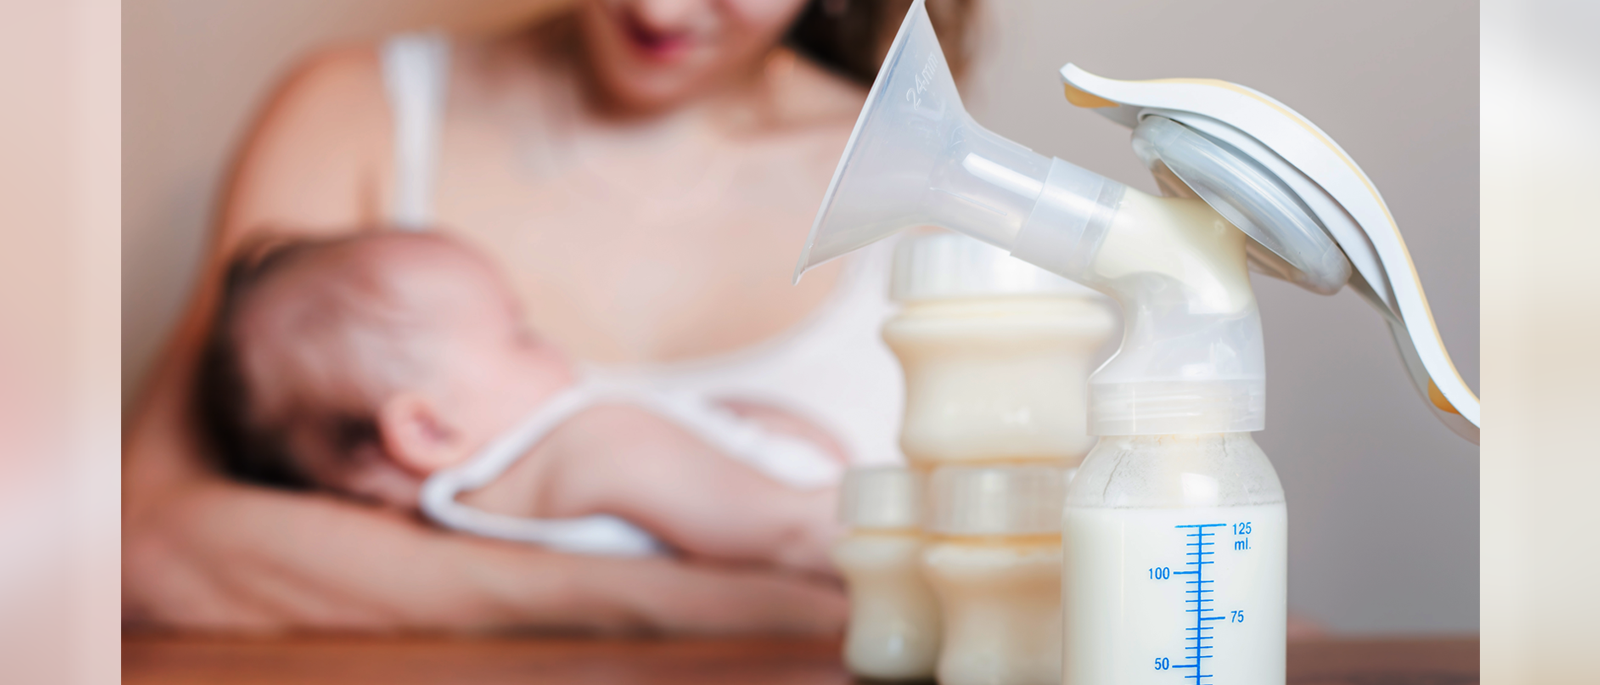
x=416 y=436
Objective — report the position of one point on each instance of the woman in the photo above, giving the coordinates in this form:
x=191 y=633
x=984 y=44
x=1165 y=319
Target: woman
x=645 y=170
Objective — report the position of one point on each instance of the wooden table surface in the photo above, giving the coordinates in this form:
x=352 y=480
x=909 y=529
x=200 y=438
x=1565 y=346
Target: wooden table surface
x=175 y=660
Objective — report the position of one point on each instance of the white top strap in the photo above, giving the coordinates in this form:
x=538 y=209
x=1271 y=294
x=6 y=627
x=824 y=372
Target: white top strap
x=416 y=68
x=598 y=534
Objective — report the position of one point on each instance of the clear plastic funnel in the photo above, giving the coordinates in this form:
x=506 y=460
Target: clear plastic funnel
x=916 y=158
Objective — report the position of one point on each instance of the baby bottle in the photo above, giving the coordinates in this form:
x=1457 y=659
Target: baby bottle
x=995 y=565
x=996 y=354
x=894 y=619
x=1175 y=563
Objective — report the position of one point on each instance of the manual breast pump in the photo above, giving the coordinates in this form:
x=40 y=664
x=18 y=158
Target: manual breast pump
x=1174 y=529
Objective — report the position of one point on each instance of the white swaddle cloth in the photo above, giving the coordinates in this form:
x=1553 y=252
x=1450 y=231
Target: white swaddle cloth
x=794 y=462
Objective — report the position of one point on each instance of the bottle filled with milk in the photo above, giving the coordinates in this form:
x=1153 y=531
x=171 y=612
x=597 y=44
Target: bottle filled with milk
x=995 y=564
x=1174 y=568
x=894 y=618
x=996 y=354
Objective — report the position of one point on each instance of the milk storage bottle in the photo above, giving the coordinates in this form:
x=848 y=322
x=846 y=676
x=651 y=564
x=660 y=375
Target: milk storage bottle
x=894 y=618
x=996 y=353
x=995 y=565
x=1175 y=563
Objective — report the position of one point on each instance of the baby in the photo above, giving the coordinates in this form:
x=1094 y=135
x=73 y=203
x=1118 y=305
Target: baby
x=395 y=368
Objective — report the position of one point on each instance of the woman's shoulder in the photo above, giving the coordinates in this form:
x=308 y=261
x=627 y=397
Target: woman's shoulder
x=331 y=86
x=316 y=146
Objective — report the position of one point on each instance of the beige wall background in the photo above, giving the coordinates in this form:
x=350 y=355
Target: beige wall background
x=1383 y=500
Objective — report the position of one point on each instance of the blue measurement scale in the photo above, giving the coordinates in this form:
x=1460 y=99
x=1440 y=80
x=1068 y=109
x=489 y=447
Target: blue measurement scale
x=1199 y=535
x=1223 y=628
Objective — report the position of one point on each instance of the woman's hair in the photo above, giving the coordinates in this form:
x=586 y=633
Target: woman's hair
x=851 y=36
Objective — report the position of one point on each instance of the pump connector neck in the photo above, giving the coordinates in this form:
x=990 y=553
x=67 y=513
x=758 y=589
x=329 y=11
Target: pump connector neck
x=1191 y=359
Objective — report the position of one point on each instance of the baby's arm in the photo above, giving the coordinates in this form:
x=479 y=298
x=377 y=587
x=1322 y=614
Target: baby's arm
x=635 y=464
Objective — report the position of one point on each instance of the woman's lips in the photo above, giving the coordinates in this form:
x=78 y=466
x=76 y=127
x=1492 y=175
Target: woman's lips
x=661 y=46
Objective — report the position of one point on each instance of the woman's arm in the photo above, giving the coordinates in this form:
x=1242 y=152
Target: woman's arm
x=226 y=557
x=202 y=552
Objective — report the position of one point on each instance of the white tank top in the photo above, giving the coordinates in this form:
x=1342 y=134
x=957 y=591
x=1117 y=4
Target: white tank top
x=832 y=369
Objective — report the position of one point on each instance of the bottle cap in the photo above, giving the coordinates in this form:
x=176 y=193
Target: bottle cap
x=996 y=500
x=949 y=266
x=881 y=497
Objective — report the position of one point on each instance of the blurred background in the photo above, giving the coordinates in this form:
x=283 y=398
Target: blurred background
x=1383 y=499
x=1541 y=312
x=59 y=341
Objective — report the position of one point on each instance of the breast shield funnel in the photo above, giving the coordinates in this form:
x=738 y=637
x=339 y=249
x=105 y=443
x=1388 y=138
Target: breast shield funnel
x=916 y=158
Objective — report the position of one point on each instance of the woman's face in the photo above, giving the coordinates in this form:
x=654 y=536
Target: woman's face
x=650 y=54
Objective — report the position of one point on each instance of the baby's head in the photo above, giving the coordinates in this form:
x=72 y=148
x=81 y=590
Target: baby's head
x=362 y=364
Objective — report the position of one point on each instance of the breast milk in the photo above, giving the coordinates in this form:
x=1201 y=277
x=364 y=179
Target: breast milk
x=1175 y=563
x=894 y=618
x=996 y=353
x=995 y=565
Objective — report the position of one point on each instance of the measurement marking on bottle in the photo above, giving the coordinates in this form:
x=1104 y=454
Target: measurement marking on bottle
x=1198 y=553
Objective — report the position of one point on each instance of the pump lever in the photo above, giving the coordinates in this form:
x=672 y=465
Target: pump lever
x=1252 y=157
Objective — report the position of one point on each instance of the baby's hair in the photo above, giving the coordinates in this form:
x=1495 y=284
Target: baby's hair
x=353 y=307
x=223 y=401
x=310 y=336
